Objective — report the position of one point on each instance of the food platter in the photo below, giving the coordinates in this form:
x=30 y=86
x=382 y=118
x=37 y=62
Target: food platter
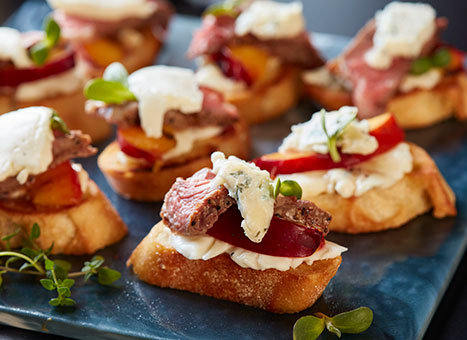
x=400 y=274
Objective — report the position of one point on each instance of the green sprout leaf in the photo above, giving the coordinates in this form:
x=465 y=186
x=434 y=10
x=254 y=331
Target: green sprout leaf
x=116 y=72
x=35 y=232
x=277 y=188
x=8 y=237
x=421 y=66
x=442 y=57
x=40 y=50
x=58 y=124
x=48 y=284
x=108 y=91
x=354 y=321
x=229 y=8
x=308 y=328
x=333 y=138
x=107 y=276
x=291 y=188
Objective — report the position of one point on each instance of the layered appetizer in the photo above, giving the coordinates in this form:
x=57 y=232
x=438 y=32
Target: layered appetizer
x=252 y=52
x=397 y=63
x=229 y=233
x=40 y=184
x=168 y=126
x=106 y=31
x=362 y=171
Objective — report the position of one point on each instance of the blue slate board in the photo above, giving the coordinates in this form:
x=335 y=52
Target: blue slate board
x=400 y=274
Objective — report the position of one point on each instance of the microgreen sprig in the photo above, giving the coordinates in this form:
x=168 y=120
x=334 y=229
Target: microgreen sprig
x=33 y=260
x=40 y=50
x=287 y=188
x=441 y=58
x=332 y=139
x=352 y=322
x=229 y=8
x=58 y=124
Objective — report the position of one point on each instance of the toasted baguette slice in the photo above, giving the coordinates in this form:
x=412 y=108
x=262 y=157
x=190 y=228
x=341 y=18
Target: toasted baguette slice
x=147 y=185
x=81 y=229
x=289 y=291
x=415 y=109
x=268 y=102
x=419 y=191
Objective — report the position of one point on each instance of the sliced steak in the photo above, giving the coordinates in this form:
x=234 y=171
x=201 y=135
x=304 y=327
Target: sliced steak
x=123 y=115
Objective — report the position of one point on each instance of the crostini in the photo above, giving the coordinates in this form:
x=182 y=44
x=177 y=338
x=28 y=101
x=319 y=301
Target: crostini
x=167 y=128
x=39 y=184
x=252 y=52
x=127 y=31
x=361 y=171
x=397 y=63
x=39 y=69
x=226 y=232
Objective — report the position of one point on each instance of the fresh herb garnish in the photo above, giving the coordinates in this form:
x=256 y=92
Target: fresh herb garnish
x=352 y=322
x=58 y=124
x=33 y=260
x=40 y=50
x=287 y=188
x=441 y=58
x=229 y=8
x=112 y=88
x=332 y=139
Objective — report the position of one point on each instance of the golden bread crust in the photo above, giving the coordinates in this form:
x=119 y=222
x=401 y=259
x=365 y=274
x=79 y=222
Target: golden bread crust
x=280 y=292
x=380 y=209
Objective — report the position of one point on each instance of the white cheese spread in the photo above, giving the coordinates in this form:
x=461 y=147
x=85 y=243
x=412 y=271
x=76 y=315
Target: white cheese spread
x=251 y=188
x=310 y=136
x=425 y=81
x=380 y=171
x=209 y=75
x=26 y=146
x=271 y=20
x=205 y=247
x=12 y=48
x=162 y=88
x=402 y=29
x=106 y=10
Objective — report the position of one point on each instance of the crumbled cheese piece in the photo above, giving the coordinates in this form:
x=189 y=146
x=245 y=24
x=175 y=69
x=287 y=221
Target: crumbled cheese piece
x=271 y=20
x=26 y=146
x=12 y=48
x=162 y=88
x=211 y=76
x=251 y=188
x=402 y=29
x=425 y=81
x=310 y=136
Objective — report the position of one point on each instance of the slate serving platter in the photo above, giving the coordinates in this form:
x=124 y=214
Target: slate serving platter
x=400 y=274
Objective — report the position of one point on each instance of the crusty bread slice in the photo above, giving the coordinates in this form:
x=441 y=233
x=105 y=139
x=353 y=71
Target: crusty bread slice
x=412 y=110
x=147 y=185
x=78 y=230
x=378 y=209
x=267 y=102
x=289 y=291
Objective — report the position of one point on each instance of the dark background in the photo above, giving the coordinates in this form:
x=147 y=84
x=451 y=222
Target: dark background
x=343 y=17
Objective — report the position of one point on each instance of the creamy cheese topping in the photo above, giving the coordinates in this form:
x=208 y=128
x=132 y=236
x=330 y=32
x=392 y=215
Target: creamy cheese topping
x=26 y=145
x=271 y=20
x=106 y=10
x=251 y=188
x=310 y=136
x=205 y=247
x=12 y=48
x=63 y=83
x=402 y=29
x=321 y=76
x=211 y=76
x=162 y=88
x=381 y=171
x=425 y=81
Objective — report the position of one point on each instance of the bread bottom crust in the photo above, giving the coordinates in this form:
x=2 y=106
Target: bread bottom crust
x=289 y=291
x=78 y=230
x=379 y=209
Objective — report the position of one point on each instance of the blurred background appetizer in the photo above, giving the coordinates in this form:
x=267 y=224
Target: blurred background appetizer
x=40 y=184
x=253 y=52
x=168 y=126
x=105 y=31
x=396 y=63
x=362 y=171
x=39 y=69
x=227 y=232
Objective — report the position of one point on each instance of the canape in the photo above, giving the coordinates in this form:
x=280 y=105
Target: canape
x=167 y=128
x=362 y=171
x=39 y=69
x=226 y=232
x=252 y=52
x=397 y=63
x=40 y=184
x=127 y=31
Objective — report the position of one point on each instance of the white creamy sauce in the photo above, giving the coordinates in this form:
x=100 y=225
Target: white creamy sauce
x=186 y=139
x=106 y=10
x=26 y=145
x=425 y=81
x=380 y=171
x=63 y=83
x=13 y=49
x=310 y=136
x=209 y=75
x=402 y=29
x=205 y=247
x=271 y=20
x=83 y=176
x=251 y=189
x=162 y=88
